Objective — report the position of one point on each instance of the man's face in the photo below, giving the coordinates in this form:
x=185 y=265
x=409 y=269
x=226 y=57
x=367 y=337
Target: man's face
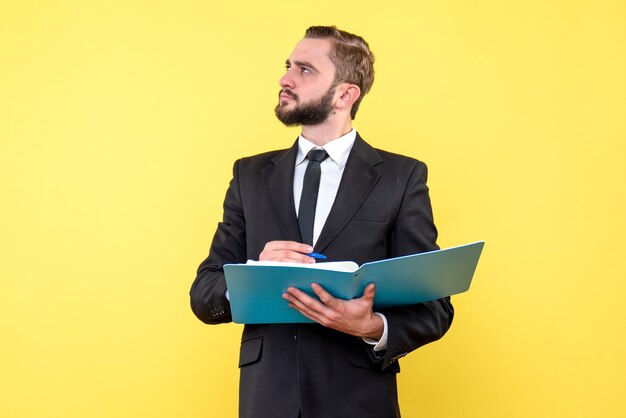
x=307 y=91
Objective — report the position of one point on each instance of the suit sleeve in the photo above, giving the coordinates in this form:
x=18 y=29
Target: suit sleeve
x=411 y=327
x=208 y=291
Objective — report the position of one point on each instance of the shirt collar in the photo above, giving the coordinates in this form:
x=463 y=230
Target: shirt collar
x=338 y=149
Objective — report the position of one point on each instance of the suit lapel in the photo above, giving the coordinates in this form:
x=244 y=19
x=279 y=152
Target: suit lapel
x=357 y=181
x=278 y=180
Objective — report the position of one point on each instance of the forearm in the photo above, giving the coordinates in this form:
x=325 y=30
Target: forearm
x=208 y=291
x=411 y=327
x=208 y=297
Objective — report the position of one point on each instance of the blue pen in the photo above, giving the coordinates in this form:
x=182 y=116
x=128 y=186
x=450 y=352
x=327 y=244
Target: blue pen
x=317 y=256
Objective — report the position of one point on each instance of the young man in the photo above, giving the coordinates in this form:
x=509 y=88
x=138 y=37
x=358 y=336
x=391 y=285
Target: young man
x=330 y=193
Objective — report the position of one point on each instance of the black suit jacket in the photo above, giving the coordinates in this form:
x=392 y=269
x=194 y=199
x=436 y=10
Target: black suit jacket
x=382 y=210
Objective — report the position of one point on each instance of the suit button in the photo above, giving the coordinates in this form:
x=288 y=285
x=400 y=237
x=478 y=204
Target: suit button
x=295 y=337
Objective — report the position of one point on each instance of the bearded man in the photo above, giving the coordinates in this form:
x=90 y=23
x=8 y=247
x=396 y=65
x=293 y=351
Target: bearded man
x=329 y=193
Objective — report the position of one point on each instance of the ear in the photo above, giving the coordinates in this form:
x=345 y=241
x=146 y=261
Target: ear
x=347 y=94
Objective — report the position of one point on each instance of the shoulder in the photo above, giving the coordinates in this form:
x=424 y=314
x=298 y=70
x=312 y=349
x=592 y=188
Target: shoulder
x=404 y=167
x=263 y=157
x=260 y=161
x=398 y=158
x=390 y=161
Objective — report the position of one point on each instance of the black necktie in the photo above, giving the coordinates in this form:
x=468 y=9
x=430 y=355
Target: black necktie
x=308 y=200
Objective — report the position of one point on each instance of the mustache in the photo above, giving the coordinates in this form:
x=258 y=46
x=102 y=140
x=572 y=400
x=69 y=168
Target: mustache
x=288 y=93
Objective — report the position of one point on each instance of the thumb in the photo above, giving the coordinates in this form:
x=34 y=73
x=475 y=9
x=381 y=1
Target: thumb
x=368 y=294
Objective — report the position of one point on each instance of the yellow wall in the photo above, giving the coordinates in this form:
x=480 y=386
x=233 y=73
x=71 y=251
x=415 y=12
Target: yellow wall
x=119 y=124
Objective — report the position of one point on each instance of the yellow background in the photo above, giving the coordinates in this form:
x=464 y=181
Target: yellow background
x=119 y=124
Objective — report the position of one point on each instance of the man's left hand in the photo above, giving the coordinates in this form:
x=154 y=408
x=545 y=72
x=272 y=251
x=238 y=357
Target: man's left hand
x=354 y=317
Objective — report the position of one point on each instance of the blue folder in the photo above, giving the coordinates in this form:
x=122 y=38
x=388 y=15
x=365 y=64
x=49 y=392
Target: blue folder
x=255 y=290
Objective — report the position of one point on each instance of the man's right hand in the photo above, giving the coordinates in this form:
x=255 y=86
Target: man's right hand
x=288 y=251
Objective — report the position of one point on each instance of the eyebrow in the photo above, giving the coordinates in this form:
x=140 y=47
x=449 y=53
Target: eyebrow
x=302 y=64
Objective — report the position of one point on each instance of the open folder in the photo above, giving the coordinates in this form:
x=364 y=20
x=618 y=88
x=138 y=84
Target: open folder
x=255 y=289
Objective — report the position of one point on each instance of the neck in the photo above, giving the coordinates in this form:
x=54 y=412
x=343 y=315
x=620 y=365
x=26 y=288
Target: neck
x=325 y=132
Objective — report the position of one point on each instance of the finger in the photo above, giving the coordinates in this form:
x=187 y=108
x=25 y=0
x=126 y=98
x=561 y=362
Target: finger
x=286 y=256
x=312 y=316
x=288 y=245
x=295 y=303
x=326 y=298
x=286 y=251
x=296 y=295
x=298 y=305
x=368 y=294
x=306 y=302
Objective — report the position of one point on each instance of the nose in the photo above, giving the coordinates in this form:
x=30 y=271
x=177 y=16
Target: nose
x=287 y=80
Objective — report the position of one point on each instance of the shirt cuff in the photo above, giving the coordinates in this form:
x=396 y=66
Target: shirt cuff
x=381 y=344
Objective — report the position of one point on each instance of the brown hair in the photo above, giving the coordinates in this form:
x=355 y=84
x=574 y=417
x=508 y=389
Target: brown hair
x=351 y=55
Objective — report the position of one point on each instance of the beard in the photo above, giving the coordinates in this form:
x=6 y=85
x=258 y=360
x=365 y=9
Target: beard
x=311 y=113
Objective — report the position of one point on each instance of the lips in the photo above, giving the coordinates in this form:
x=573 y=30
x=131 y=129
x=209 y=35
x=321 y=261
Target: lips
x=287 y=94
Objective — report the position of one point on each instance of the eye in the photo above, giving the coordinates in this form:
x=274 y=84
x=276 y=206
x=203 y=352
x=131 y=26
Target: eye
x=305 y=70
x=287 y=67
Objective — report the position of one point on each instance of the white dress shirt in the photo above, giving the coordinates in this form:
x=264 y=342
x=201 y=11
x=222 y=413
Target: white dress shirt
x=331 y=171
